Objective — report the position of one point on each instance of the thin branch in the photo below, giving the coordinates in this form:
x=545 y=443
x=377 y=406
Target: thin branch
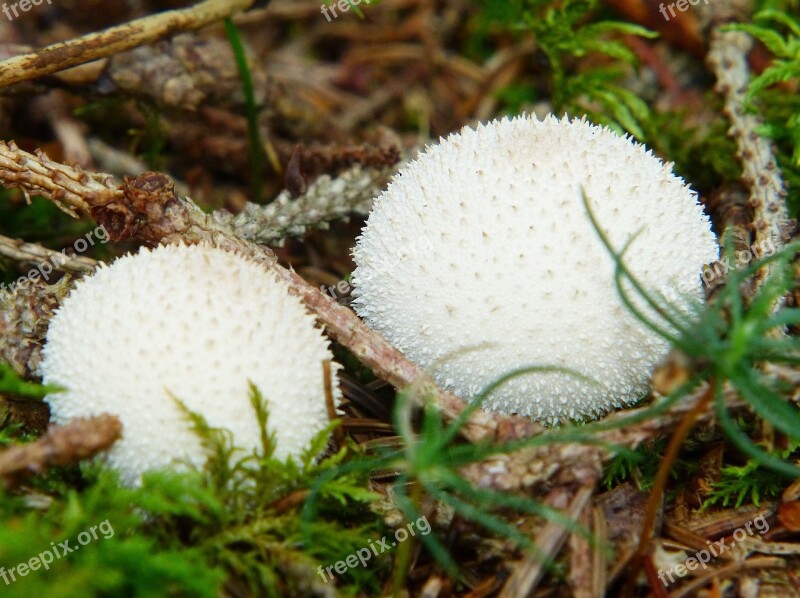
x=529 y=572
x=62 y=445
x=93 y=46
x=728 y=59
x=566 y=463
x=588 y=571
x=19 y=250
x=71 y=189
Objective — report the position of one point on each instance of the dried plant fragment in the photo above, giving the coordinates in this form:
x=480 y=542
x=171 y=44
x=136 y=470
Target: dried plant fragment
x=62 y=445
x=771 y=224
x=24 y=318
x=185 y=72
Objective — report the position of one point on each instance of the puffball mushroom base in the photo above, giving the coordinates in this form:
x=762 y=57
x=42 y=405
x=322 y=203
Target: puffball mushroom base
x=480 y=259
x=197 y=324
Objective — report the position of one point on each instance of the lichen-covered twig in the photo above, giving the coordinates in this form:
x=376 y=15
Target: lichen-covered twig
x=24 y=317
x=75 y=190
x=33 y=253
x=771 y=225
x=566 y=463
x=71 y=189
x=324 y=200
x=62 y=445
x=116 y=39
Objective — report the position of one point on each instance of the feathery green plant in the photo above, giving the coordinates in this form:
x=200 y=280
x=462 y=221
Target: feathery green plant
x=188 y=533
x=727 y=341
x=428 y=466
x=564 y=34
x=749 y=482
x=640 y=464
x=123 y=561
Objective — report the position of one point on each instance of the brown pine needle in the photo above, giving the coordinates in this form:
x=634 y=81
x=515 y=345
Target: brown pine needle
x=660 y=483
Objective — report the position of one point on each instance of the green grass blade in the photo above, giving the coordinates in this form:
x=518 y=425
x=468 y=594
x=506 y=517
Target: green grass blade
x=254 y=135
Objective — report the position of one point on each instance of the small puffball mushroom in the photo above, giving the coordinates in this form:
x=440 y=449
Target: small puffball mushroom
x=480 y=259
x=196 y=324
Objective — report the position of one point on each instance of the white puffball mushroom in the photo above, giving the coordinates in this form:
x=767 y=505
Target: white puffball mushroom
x=480 y=259
x=194 y=323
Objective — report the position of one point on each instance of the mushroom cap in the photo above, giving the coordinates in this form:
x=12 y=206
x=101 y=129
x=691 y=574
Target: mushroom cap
x=194 y=323
x=480 y=259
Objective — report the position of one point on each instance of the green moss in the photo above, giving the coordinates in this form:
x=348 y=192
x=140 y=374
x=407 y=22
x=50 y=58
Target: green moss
x=747 y=483
x=189 y=533
x=639 y=465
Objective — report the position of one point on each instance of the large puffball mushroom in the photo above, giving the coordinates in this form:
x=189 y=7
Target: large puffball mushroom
x=197 y=324
x=480 y=259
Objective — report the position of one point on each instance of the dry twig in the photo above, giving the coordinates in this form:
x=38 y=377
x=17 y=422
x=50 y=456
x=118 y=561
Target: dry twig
x=71 y=189
x=728 y=59
x=588 y=567
x=62 y=445
x=528 y=573
x=116 y=39
x=33 y=253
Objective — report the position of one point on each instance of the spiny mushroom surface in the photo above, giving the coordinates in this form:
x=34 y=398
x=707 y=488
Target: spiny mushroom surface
x=197 y=324
x=480 y=259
